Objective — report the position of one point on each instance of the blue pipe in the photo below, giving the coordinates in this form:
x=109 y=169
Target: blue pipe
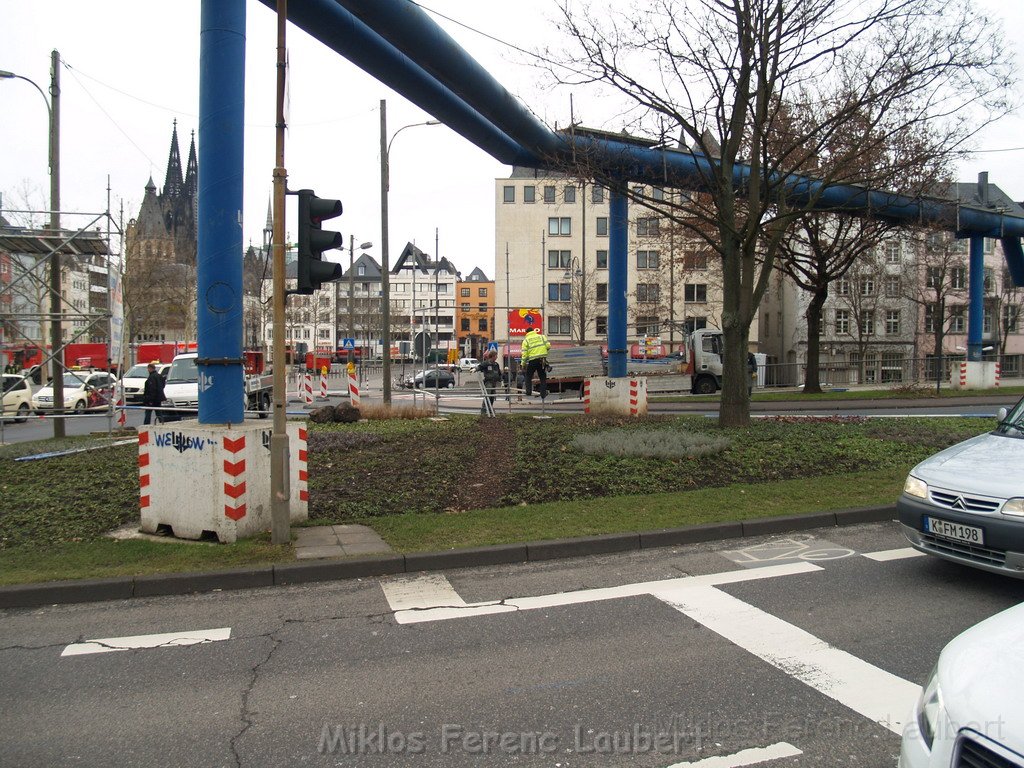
x=618 y=271
x=221 y=151
x=976 y=292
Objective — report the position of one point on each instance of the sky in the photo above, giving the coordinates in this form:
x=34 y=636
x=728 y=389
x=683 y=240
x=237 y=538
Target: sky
x=132 y=69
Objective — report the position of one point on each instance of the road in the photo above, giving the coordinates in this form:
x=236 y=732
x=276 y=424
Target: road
x=802 y=650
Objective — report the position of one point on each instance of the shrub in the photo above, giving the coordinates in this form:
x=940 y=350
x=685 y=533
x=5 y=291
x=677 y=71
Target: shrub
x=375 y=411
x=657 y=444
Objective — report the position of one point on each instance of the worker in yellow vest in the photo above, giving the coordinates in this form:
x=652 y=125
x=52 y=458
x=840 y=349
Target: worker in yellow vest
x=535 y=360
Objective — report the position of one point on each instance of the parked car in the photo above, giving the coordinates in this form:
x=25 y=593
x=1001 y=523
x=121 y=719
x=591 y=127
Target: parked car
x=435 y=378
x=969 y=711
x=468 y=364
x=133 y=382
x=966 y=503
x=17 y=394
x=83 y=391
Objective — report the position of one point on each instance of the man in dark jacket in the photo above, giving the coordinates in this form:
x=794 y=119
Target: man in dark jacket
x=152 y=392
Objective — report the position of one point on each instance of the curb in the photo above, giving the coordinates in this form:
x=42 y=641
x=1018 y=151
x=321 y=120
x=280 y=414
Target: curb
x=93 y=590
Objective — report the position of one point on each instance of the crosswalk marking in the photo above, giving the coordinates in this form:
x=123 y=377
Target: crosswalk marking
x=745 y=757
x=893 y=554
x=167 y=639
x=878 y=695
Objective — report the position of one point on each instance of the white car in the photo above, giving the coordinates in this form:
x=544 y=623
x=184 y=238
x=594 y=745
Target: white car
x=83 y=391
x=17 y=393
x=966 y=503
x=468 y=364
x=133 y=383
x=969 y=713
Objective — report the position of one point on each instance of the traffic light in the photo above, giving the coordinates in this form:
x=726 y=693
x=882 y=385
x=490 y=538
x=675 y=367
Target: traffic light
x=313 y=241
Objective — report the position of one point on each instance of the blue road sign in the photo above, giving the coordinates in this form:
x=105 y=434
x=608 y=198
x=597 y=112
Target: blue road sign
x=348 y=343
x=492 y=346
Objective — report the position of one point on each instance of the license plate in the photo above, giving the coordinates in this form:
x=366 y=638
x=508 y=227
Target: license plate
x=969 y=534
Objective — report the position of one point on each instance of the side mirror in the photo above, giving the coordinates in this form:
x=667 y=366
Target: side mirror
x=1001 y=414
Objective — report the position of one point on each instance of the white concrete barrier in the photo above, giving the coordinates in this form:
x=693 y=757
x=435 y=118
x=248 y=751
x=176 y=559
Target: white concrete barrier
x=620 y=397
x=975 y=374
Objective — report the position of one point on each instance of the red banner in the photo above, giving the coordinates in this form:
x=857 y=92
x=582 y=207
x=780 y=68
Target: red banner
x=522 y=320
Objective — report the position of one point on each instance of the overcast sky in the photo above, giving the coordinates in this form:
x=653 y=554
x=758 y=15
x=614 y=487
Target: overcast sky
x=133 y=69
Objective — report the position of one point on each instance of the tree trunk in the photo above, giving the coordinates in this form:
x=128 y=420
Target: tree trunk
x=812 y=373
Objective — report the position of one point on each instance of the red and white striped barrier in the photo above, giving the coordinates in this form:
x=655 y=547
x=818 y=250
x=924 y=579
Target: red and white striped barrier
x=634 y=397
x=323 y=384
x=586 y=395
x=963 y=374
x=353 y=392
x=999 y=372
x=303 y=467
x=122 y=417
x=307 y=388
x=234 y=478
x=143 y=470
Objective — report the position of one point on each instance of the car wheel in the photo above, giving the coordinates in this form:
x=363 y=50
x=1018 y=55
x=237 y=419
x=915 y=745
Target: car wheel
x=264 y=405
x=80 y=407
x=22 y=416
x=705 y=386
x=450 y=385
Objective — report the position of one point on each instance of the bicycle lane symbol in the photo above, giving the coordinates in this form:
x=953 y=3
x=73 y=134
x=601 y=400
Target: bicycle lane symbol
x=794 y=549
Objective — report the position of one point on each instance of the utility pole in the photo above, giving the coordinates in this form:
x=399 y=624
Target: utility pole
x=385 y=277
x=56 y=308
x=351 y=287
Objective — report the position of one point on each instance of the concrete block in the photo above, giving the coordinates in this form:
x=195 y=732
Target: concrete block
x=691 y=534
x=620 y=397
x=303 y=573
x=588 y=545
x=186 y=583
x=466 y=558
x=788 y=523
x=78 y=591
x=319 y=551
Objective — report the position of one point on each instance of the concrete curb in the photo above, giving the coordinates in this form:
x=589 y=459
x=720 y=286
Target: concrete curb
x=92 y=590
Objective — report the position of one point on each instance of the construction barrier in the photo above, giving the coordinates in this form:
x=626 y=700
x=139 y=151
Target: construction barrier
x=323 y=383
x=353 y=392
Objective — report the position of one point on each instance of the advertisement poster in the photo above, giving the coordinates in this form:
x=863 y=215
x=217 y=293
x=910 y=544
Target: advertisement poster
x=522 y=320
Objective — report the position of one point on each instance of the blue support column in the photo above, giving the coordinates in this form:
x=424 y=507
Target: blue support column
x=219 y=294
x=618 y=270
x=976 y=292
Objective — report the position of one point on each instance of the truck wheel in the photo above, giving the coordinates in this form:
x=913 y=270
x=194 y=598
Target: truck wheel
x=264 y=408
x=705 y=386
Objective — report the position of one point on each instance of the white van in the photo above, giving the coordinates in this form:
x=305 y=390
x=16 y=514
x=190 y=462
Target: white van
x=468 y=363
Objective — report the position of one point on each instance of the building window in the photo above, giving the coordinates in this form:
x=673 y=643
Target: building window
x=648 y=227
x=646 y=259
x=930 y=314
x=696 y=260
x=933 y=278
x=559 y=291
x=957 y=319
x=361 y=270
x=601 y=325
x=482 y=324
x=692 y=324
x=559 y=326
x=509 y=194
x=990 y=279
x=986 y=321
x=529 y=194
x=464 y=292
x=696 y=293
x=1011 y=318
x=892 y=322
x=549 y=194
x=892 y=287
x=602 y=259
x=647 y=326
x=570 y=194
x=465 y=307
x=602 y=291
x=559 y=259
x=892 y=252
x=958 y=277
x=597 y=194
x=867 y=322
x=657 y=193
x=892 y=366
x=842 y=287
x=867 y=286
x=842 y=322
x=465 y=324
x=602 y=226
x=647 y=292
x=481 y=292
x=559 y=227
x=482 y=306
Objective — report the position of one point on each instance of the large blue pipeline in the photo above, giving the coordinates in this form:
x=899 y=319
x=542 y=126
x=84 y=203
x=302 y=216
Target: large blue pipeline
x=400 y=45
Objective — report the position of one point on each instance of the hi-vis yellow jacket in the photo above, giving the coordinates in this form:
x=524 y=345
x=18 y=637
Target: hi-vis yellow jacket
x=535 y=345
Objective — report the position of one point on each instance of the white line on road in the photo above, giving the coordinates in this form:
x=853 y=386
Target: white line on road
x=168 y=640
x=878 y=695
x=446 y=608
x=893 y=554
x=745 y=757
x=418 y=592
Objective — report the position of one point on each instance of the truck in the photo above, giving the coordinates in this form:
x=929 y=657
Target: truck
x=161 y=351
x=181 y=390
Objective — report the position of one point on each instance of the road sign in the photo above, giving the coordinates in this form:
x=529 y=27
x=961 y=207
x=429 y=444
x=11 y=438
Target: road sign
x=492 y=346
x=348 y=343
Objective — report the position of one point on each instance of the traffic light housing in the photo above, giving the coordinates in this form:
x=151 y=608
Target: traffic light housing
x=313 y=241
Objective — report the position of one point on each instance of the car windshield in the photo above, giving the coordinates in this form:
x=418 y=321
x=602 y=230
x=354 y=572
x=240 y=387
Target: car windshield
x=183 y=370
x=73 y=380
x=140 y=371
x=1013 y=424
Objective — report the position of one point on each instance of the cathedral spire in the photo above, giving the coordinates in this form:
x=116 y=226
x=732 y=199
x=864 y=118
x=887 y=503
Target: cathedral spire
x=192 y=169
x=172 y=182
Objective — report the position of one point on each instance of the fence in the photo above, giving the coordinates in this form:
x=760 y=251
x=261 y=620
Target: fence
x=879 y=371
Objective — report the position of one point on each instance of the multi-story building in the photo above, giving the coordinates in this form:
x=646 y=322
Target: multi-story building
x=551 y=255
x=422 y=295
x=474 y=314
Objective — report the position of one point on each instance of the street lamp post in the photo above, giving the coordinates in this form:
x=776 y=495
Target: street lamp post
x=385 y=186
x=351 y=288
x=56 y=326
x=571 y=273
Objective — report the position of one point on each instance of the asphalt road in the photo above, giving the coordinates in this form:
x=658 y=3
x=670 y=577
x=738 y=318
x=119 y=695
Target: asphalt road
x=798 y=650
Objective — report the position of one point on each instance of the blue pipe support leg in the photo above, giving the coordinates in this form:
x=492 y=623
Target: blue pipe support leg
x=976 y=291
x=221 y=149
x=618 y=265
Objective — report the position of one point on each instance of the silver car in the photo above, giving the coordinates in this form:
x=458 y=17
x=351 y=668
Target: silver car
x=966 y=503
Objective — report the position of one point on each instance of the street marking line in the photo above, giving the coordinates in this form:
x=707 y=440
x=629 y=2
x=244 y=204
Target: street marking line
x=878 y=695
x=751 y=756
x=450 y=610
x=417 y=592
x=886 y=555
x=167 y=639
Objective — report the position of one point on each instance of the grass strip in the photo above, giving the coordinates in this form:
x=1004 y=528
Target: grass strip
x=850 y=394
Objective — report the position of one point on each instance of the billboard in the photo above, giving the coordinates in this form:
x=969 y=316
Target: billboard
x=522 y=320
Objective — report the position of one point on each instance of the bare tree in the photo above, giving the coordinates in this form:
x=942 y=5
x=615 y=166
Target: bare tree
x=1009 y=304
x=727 y=78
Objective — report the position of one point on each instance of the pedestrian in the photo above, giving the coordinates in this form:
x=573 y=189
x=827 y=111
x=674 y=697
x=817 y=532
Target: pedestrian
x=751 y=373
x=492 y=378
x=152 y=392
x=535 y=360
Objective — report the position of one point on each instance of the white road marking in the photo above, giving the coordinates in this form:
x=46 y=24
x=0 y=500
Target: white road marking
x=168 y=639
x=893 y=554
x=447 y=608
x=878 y=695
x=413 y=592
x=745 y=757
